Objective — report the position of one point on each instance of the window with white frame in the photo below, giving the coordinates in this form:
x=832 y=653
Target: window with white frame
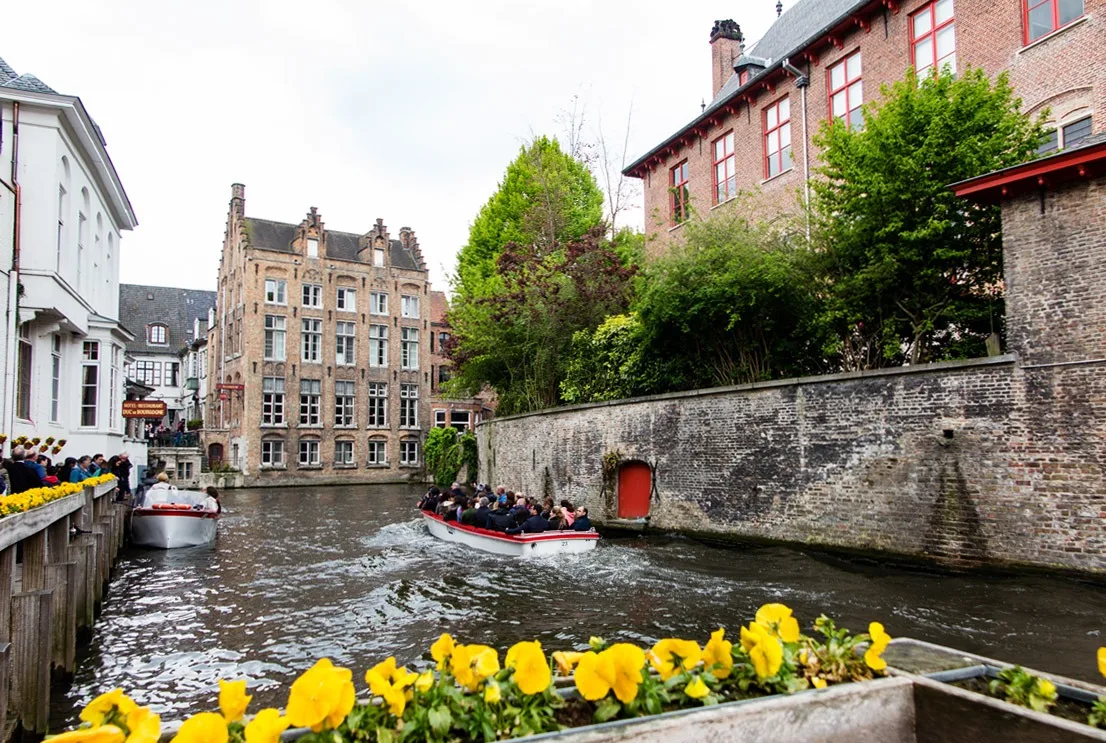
x=378 y=345
x=347 y=331
x=311 y=340
x=460 y=419
x=312 y=247
x=378 y=405
x=272 y=401
x=55 y=377
x=408 y=406
x=440 y=419
x=148 y=373
x=409 y=451
x=276 y=291
x=409 y=306
x=274 y=337
x=272 y=452
x=311 y=393
x=90 y=382
x=343 y=453
x=113 y=393
x=378 y=256
x=1067 y=135
x=312 y=295
x=184 y=471
x=344 y=403
x=23 y=370
x=377 y=451
x=409 y=348
x=933 y=38
x=309 y=453
x=347 y=299
x=172 y=374
x=378 y=303
x=846 y=91
x=157 y=334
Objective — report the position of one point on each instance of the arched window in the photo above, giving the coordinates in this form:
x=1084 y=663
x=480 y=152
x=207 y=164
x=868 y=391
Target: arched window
x=157 y=334
x=63 y=207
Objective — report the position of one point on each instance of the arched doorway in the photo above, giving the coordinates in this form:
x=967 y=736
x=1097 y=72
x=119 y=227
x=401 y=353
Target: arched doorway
x=635 y=483
x=214 y=453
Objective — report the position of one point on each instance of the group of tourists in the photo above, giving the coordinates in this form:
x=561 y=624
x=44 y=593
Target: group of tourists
x=504 y=511
x=26 y=471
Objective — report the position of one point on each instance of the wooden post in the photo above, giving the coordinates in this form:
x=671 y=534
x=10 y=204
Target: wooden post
x=30 y=663
x=61 y=581
x=84 y=518
x=107 y=525
x=34 y=562
x=7 y=579
x=96 y=576
x=5 y=685
x=83 y=552
x=57 y=540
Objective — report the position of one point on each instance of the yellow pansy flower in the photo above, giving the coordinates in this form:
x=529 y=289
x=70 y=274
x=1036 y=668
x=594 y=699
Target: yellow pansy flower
x=670 y=656
x=1046 y=688
x=425 y=681
x=205 y=727
x=697 y=689
x=880 y=640
x=442 y=649
x=99 y=709
x=323 y=695
x=594 y=675
x=144 y=726
x=266 y=726
x=1102 y=661
x=531 y=667
x=752 y=635
x=233 y=699
x=819 y=682
x=100 y=734
x=627 y=661
x=764 y=649
x=778 y=620
x=718 y=655
x=471 y=664
x=566 y=660
x=492 y=693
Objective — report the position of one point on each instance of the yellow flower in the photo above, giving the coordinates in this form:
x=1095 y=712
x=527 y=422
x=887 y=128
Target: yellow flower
x=819 y=682
x=442 y=649
x=266 y=726
x=233 y=699
x=491 y=693
x=880 y=639
x=388 y=682
x=531 y=667
x=387 y=670
x=144 y=725
x=628 y=661
x=697 y=689
x=205 y=727
x=670 y=656
x=471 y=664
x=1046 y=688
x=717 y=654
x=777 y=619
x=594 y=676
x=764 y=649
x=425 y=681
x=100 y=734
x=99 y=709
x=323 y=695
x=566 y=660
x=1102 y=661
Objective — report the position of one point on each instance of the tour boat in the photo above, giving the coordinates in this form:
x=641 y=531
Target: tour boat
x=169 y=518
x=546 y=543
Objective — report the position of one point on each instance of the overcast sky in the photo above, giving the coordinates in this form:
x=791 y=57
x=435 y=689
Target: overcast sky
x=407 y=111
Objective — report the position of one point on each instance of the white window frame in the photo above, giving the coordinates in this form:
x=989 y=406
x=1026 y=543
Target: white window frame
x=275 y=337
x=347 y=458
x=90 y=362
x=312 y=296
x=311 y=340
x=309 y=453
x=440 y=419
x=345 y=405
x=378 y=405
x=378 y=303
x=409 y=306
x=272 y=401
x=377 y=452
x=378 y=345
x=55 y=377
x=344 y=350
x=272 y=453
x=346 y=299
x=378 y=256
x=312 y=247
x=157 y=334
x=409 y=348
x=409 y=452
x=276 y=291
x=408 y=406
x=311 y=399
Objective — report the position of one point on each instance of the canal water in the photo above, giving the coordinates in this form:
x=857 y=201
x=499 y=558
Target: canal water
x=350 y=573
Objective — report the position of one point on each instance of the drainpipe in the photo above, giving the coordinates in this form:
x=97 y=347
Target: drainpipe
x=11 y=309
x=802 y=82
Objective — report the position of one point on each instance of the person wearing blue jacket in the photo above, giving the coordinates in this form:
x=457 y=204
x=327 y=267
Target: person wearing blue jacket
x=81 y=472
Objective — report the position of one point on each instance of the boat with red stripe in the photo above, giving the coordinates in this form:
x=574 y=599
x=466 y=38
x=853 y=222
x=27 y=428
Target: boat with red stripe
x=496 y=542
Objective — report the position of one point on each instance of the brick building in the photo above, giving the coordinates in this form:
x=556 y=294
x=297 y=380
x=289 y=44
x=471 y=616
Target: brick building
x=460 y=413
x=825 y=58
x=319 y=366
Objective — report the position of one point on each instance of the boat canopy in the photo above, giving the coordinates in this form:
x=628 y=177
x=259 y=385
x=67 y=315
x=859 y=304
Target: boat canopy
x=172 y=495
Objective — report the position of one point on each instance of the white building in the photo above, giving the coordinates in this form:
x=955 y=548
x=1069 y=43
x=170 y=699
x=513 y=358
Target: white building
x=194 y=359
x=165 y=321
x=62 y=211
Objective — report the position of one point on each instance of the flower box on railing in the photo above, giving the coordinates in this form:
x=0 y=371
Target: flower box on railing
x=16 y=527
x=105 y=487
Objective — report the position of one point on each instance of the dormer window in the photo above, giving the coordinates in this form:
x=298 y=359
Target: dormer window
x=157 y=335
x=378 y=256
x=312 y=247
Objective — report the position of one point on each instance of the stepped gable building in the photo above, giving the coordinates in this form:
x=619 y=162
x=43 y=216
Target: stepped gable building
x=164 y=322
x=826 y=58
x=319 y=360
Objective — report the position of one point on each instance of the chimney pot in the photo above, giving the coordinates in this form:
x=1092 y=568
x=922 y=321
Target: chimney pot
x=726 y=45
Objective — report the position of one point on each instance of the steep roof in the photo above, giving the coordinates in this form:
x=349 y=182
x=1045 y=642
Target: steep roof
x=9 y=78
x=175 y=308
x=269 y=235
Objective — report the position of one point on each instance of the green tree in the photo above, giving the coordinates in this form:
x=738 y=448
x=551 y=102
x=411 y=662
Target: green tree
x=613 y=362
x=443 y=455
x=913 y=273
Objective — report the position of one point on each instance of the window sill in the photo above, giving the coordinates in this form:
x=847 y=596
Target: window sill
x=344 y=364
x=675 y=227
x=265 y=467
x=410 y=429
x=410 y=466
x=781 y=174
x=310 y=426
x=385 y=427
x=345 y=466
x=350 y=427
x=378 y=466
x=1054 y=33
x=723 y=203
x=310 y=361
x=309 y=467
x=278 y=426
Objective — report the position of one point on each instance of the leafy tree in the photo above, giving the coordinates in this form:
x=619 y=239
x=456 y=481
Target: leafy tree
x=913 y=273
x=443 y=455
x=612 y=362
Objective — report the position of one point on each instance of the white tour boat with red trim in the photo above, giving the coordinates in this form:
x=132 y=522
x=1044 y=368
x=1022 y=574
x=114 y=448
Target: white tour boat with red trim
x=169 y=518
x=546 y=543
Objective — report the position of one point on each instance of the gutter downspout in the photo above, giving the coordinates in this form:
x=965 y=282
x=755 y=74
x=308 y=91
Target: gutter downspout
x=11 y=309
x=802 y=82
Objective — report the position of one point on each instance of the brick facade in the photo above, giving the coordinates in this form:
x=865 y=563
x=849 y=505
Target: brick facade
x=995 y=461
x=1064 y=72
x=460 y=413
x=357 y=267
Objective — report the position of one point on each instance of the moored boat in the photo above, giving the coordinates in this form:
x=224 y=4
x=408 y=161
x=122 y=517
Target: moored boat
x=546 y=543
x=168 y=519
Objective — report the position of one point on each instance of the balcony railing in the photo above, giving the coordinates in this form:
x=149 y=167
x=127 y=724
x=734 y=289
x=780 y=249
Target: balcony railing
x=174 y=439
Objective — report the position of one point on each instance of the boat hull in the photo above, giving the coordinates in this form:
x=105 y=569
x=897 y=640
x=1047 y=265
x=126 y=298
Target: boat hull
x=546 y=543
x=171 y=529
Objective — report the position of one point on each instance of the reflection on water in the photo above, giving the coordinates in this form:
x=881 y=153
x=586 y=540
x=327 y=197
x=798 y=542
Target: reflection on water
x=350 y=573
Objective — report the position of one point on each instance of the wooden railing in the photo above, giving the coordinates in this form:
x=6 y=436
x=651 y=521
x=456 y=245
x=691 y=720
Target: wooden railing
x=51 y=595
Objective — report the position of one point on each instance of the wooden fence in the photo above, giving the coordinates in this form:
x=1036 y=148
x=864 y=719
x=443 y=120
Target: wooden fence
x=67 y=548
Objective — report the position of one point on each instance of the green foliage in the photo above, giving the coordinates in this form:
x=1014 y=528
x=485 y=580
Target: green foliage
x=1097 y=717
x=912 y=272
x=443 y=454
x=195 y=423
x=470 y=455
x=1018 y=686
x=612 y=362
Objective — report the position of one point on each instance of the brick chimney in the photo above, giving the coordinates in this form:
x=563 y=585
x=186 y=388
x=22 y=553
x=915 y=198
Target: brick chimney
x=726 y=45
x=238 y=199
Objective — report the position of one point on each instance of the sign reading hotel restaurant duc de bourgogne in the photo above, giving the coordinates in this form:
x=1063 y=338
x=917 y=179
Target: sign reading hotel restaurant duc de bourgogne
x=233 y=387
x=144 y=409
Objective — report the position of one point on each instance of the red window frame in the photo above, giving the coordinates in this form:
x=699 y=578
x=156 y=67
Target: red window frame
x=728 y=161
x=915 y=39
x=1030 y=5
x=845 y=87
x=678 y=199
x=770 y=131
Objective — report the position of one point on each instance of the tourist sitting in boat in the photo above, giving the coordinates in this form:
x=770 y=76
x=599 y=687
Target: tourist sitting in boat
x=481 y=517
x=533 y=525
x=582 y=522
x=429 y=502
x=445 y=504
x=456 y=491
x=500 y=519
x=162 y=482
x=557 y=520
x=212 y=503
x=569 y=511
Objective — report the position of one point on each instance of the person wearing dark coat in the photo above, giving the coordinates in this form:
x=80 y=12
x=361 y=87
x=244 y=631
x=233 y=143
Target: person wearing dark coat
x=429 y=502
x=533 y=525
x=500 y=520
x=481 y=519
x=582 y=522
x=122 y=470
x=21 y=477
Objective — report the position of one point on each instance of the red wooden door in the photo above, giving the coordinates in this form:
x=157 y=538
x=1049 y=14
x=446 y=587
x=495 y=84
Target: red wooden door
x=635 y=483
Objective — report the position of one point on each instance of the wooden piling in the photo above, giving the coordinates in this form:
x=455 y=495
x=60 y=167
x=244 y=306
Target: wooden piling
x=34 y=562
x=32 y=616
x=7 y=579
x=99 y=569
x=82 y=597
x=57 y=540
x=61 y=582
x=5 y=685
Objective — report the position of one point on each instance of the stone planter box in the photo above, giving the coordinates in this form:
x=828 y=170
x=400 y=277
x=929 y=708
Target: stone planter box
x=106 y=487
x=18 y=526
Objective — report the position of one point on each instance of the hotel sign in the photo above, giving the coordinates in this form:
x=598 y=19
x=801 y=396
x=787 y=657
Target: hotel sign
x=144 y=409
x=232 y=387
